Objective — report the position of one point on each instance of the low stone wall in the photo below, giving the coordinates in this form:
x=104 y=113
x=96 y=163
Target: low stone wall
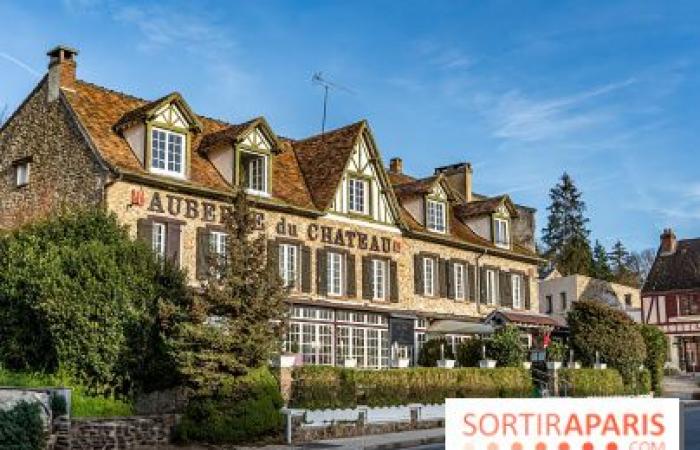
x=351 y=429
x=119 y=433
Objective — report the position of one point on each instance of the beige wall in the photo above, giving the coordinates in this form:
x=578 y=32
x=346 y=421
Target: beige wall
x=118 y=199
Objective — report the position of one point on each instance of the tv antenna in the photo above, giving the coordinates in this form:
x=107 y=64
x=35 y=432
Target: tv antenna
x=319 y=80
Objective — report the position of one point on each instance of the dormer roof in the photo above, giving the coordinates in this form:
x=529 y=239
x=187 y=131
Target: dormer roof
x=148 y=110
x=486 y=206
x=236 y=132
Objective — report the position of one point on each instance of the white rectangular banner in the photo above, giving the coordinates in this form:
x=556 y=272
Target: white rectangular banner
x=610 y=423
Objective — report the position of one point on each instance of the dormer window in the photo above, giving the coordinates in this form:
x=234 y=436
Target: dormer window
x=358 y=198
x=254 y=172
x=435 y=216
x=501 y=232
x=167 y=152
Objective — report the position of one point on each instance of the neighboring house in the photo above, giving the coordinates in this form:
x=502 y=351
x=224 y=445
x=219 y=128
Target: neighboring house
x=557 y=293
x=374 y=259
x=671 y=298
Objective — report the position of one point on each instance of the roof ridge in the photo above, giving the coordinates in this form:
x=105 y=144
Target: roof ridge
x=114 y=91
x=335 y=130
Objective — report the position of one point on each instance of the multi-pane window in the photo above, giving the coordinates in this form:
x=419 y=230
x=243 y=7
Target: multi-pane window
x=491 y=287
x=436 y=216
x=313 y=340
x=516 y=282
x=253 y=172
x=459 y=281
x=335 y=273
x=357 y=195
x=219 y=243
x=379 y=279
x=369 y=347
x=428 y=277
x=501 y=232
x=167 y=152
x=288 y=257
x=689 y=305
x=22 y=174
x=159 y=239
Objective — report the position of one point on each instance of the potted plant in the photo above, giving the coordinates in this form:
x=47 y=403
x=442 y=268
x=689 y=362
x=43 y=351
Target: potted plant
x=486 y=363
x=288 y=358
x=599 y=365
x=443 y=362
x=348 y=361
x=400 y=359
x=527 y=365
x=555 y=355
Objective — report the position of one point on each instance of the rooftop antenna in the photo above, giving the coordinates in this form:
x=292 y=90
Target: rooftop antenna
x=319 y=80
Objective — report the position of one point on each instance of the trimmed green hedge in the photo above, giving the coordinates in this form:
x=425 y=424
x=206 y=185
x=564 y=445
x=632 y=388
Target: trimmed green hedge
x=21 y=428
x=591 y=382
x=317 y=387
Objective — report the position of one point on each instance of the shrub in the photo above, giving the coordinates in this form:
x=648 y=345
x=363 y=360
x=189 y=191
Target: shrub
x=595 y=326
x=556 y=351
x=590 y=382
x=506 y=347
x=470 y=352
x=244 y=409
x=656 y=344
x=21 y=428
x=431 y=351
x=428 y=385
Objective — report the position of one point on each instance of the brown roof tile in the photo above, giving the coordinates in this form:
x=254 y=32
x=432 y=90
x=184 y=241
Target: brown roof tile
x=486 y=206
x=677 y=271
x=531 y=318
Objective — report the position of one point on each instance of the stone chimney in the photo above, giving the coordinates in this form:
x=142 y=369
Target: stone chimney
x=460 y=178
x=396 y=165
x=61 y=70
x=668 y=242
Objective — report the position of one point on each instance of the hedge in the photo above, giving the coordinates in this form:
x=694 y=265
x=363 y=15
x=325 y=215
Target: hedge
x=656 y=344
x=590 y=382
x=333 y=387
x=21 y=428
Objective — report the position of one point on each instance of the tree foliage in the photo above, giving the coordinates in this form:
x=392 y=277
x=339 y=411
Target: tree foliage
x=234 y=325
x=656 y=344
x=506 y=347
x=433 y=350
x=601 y=266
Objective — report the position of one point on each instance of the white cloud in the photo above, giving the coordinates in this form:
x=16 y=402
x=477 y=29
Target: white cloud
x=20 y=64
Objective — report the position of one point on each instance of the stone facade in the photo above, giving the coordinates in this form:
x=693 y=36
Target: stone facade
x=63 y=171
x=118 y=433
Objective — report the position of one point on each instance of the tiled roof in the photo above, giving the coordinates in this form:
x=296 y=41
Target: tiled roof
x=322 y=159
x=531 y=318
x=415 y=187
x=225 y=135
x=677 y=271
x=481 y=207
x=399 y=178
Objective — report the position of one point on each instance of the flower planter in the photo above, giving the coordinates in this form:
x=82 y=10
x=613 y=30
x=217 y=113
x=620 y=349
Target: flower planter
x=600 y=366
x=446 y=363
x=284 y=361
x=527 y=365
x=573 y=365
x=487 y=363
x=400 y=363
x=350 y=363
x=553 y=365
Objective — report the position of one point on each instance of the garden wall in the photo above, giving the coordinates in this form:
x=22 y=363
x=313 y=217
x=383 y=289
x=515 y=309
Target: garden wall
x=119 y=433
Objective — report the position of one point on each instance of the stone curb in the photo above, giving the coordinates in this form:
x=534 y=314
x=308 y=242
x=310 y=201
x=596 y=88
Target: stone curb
x=407 y=443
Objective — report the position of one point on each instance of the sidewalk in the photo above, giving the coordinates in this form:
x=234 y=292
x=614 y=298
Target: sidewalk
x=683 y=387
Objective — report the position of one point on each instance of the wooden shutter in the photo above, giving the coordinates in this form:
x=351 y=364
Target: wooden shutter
x=367 y=291
x=305 y=269
x=393 y=282
x=671 y=306
x=203 y=248
x=506 y=290
x=482 y=285
x=321 y=272
x=273 y=255
x=172 y=251
x=144 y=231
x=350 y=276
x=526 y=286
x=418 y=274
x=450 y=279
x=442 y=277
x=471 y=282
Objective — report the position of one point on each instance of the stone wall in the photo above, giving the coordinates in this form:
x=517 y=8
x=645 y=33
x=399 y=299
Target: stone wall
x=62 y=172
x=119 y=433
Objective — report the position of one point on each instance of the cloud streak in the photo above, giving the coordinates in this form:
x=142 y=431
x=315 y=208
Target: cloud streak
x=20 y=64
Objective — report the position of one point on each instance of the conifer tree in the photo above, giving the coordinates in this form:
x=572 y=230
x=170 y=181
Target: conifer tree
x=236 y=323
x=621 y=265
x=601 y=266
x=566 y=235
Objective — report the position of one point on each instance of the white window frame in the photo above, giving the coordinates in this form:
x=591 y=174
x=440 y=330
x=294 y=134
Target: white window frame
x=289 y=264
x=428 y=282
x=459 y=284
x=491 y=286
x=166 y=158
x=435 y=216
x=380 y=284
x=336 y=277
x=159 y=239
x=218 y=240
x=358 y=195
x=517 y=287
x=255 y=157
x=501 y=232
x=22 y=174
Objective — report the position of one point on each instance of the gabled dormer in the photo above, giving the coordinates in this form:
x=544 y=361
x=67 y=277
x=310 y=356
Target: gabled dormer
x=243 y=155
x=436 y=209
x=491 y=218
x=160 y=134
x=429 y=201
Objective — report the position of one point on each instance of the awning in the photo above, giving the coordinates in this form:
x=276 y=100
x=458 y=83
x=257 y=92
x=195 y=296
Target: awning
x=457 y=327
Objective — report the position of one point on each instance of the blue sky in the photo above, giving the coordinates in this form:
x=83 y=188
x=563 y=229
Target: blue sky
x=607 y=91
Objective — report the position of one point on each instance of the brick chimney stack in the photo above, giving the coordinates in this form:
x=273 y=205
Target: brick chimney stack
x=668 y=242
x=396 y=165
x=61 y=70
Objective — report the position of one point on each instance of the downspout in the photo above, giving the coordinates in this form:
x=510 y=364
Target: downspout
x=478 y=280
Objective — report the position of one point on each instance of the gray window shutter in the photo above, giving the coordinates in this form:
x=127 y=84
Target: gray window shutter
x=526 y=286
x=418 y=274
x=450 y=278
x=482 y=284
x=367 y=293
x=393 y=282
x=442 y=277
x=202 y=253
x=506 y=290
x=273 y=254
x=144 y=231
x=350 y=277
x=321 y=272
x=471 y=283
x=305 y=269
x=172 y=250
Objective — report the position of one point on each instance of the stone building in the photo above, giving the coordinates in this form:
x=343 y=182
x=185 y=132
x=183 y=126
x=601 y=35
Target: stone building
x=374 y=258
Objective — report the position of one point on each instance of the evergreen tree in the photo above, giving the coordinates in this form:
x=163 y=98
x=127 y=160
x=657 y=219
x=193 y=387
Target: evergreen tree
x=566 y=235
x=621 y=265
x=236 y=323
x=601 y=267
